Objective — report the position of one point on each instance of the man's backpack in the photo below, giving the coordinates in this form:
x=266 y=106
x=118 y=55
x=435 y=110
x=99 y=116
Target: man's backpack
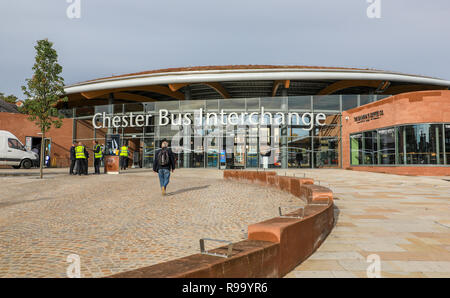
x=163 y=157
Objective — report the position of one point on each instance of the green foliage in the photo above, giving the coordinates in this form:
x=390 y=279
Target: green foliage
x=45 y=89
x=10 y=98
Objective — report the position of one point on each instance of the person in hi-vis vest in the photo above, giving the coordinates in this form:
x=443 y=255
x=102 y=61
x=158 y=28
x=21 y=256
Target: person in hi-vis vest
x=80 y=156
x=123 y=156
x=98 y=155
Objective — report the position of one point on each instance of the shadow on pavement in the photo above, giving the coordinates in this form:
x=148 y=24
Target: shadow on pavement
x=337 y=212
x=7 y=204
x=186 y=190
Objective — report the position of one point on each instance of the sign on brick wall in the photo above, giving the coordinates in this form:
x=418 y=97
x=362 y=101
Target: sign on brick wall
x=369 y=116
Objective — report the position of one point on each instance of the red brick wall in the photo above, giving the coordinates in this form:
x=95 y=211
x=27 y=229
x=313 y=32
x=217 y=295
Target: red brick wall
x=406 y=108
x=21 y=127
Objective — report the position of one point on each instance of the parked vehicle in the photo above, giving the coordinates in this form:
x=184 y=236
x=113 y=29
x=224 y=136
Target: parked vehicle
x=14 y=153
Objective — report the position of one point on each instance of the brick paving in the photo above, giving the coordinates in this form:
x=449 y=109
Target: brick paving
x=118 y=223
x=121 y=222
x=405 y=220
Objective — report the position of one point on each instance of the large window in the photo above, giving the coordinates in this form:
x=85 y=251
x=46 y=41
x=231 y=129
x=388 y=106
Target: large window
x=356 y=149
x=326 y=142
x=447 y=144
x=387 y=146
x=299 y=147
x=326 y=152
x=419 y=144
x=370 y=147
x=298 y=142
x=349 y=101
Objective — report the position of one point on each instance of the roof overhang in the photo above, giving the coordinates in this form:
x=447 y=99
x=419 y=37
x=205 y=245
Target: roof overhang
x=248 y=75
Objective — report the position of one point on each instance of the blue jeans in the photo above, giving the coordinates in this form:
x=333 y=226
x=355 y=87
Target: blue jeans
x=164 y=175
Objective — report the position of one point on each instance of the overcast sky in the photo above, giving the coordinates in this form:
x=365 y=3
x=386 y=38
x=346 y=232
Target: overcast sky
x=116 y=37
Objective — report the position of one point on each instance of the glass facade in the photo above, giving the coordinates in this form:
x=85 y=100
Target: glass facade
x=302 y=140
x=413 y=144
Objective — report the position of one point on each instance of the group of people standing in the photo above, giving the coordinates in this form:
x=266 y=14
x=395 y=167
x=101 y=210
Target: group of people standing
x=79 y=156
x=163 y=163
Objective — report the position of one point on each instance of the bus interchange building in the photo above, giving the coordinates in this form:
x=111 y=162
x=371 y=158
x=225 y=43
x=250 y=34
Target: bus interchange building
x=271 y=116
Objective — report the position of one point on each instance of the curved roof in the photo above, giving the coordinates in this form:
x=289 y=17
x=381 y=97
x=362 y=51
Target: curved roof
x=220 y=67
x=251 y=81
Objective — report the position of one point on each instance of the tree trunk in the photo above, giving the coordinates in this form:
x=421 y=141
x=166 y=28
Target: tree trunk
x=41 y=164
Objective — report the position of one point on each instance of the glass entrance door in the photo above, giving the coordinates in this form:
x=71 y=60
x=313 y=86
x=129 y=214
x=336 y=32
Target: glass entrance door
x=148 y=152
x=252 y=147
x=234 y=147
x=299 y=148
x=212 y=154
x=239 y=150
x=239 y=156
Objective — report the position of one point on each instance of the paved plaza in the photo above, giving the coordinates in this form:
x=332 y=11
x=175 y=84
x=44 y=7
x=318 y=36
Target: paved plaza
x=404 y=220
x=121 y=222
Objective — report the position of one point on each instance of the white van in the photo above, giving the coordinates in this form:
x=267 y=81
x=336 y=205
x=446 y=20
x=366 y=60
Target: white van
x=13 y=152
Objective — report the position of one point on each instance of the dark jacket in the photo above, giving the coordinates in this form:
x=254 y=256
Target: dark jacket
x=72 y=153
x=170 y=166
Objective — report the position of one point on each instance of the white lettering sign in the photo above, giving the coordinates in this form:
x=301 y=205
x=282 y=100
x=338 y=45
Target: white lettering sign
x=102 y=120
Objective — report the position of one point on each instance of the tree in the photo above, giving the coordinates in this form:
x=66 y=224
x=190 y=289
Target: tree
x=10 y=98
x=43 y=91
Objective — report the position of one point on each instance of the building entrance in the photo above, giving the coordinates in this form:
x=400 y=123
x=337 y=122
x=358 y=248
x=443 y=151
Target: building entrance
x=253 y=132
x=135 y=149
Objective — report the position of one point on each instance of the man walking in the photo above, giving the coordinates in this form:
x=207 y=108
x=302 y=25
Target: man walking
x=72 y=158
x=163 y=163
x=98 y=154
x=80 y=156
x=123 y=159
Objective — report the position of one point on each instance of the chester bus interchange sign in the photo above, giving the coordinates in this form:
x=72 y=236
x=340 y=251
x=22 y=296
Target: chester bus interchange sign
x=192 y=126
x=212 y=118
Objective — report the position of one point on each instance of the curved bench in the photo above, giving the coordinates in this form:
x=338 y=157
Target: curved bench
x=274 y=247
x=298 y=238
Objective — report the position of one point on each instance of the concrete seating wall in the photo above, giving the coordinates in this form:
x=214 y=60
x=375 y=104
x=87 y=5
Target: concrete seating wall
x=274 y=247
x=298 y=238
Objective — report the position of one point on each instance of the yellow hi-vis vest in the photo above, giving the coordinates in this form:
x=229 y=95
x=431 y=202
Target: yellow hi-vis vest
x=79 y=152
x=124 y=151
x=99 y=154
